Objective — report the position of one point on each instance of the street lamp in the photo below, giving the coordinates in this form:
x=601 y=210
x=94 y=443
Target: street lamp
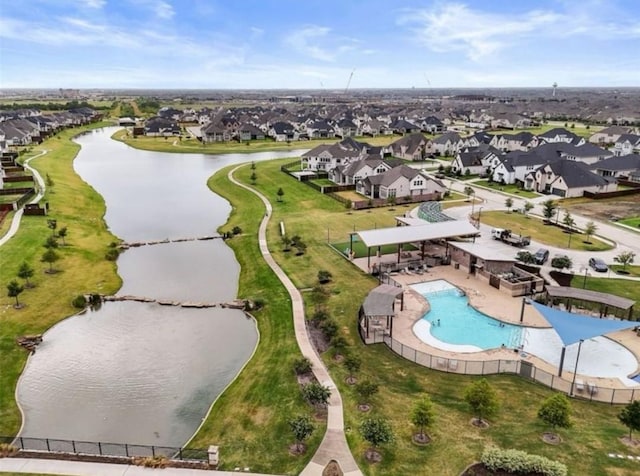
x=479 y=213
x=524 y=301
x=584 y=281
x=575 y=370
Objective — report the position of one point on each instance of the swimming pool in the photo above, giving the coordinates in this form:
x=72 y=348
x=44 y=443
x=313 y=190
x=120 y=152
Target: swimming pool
x=458 y=326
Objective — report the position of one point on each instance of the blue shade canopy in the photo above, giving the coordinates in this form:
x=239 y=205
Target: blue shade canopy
x=575 y=327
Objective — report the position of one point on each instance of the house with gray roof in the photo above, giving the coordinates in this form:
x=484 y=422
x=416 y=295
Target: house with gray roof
x=609 y=135
x=400 y=181
x=626 y=144
x=567 y=178
x=326 y=157
x=621 y=166
x=448 y=143
x=476 y=160
x=411 y=147
x=522 y=141
x=560 y=134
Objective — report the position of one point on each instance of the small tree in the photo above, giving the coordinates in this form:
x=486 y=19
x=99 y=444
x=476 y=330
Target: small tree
x=590 y=230
x=286 y=243
x=391 y=200
x=352 y=363
x=561 y=262
x=51 y=243
x=52 y=225
x=625 y=258
x=526 y=257
x=50 y=256
x=365 y=390
x=236 y=230
x=467 y=172
x=422 y=415
x=468 y=191
x=280 y=194
x=25 y=272
x=324 y=276
x=253 y=165
x=508 y=203
x=302 y=366
x=630 y=417
x=301 y=248
x=254 y=178
x=339 y=344
x=568 y=221
x=482 y=399
x=316 y=394
x=48 y=181
x=330 y=329
x=555 y=411
x=549 y=209
x=14 y=289
x=377 y=432
x=62 y=233
x=527 y=207
x=302 y=428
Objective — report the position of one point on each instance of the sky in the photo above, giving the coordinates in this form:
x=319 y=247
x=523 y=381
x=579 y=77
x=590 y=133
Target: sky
x=325 y=44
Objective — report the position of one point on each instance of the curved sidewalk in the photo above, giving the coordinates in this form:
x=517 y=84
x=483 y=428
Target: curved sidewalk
x=334 y=444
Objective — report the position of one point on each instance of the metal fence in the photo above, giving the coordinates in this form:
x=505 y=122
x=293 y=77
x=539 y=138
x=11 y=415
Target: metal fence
x=92 y=448
x=516 y=366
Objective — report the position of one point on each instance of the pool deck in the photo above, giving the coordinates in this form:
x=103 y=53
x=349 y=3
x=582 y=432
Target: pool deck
x=496 y=304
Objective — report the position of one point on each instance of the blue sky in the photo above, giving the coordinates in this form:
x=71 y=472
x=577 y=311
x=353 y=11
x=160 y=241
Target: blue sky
x=317 y=44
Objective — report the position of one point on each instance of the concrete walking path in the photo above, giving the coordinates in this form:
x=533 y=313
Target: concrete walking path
x=15 y=223
x=334 y=444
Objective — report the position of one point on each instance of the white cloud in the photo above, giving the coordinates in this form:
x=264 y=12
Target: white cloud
x=305 y=41
x=164 y=9
x=256 y=32
x=93 y=3
x=455 y=27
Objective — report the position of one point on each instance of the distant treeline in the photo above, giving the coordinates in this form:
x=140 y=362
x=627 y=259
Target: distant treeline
x=148 y=105
x=51 y=106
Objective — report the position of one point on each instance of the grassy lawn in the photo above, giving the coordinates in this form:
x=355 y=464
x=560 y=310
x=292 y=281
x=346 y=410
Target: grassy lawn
x=241 y=422
x=323 y=182
x=546 y=234
x=634 y=222
x=578 y=129
x=351 y=195
x=632 y=270
x=510 y=188
x=191 y=145
x=82 y=266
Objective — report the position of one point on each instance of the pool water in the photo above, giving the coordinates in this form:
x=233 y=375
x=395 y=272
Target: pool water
x=453 y=321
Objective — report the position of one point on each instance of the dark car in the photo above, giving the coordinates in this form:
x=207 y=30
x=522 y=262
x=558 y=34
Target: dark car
x=598 y=265
x=541 y=256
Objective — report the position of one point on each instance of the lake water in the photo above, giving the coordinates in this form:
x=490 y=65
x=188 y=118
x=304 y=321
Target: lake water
x=142 y=373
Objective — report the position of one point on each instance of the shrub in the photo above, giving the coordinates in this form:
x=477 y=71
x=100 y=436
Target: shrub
x=236 y=230
x=79 y=302
x=302 y=366
x=112 y=254
x=7 y=450
x=151 y=462
x=329 y=328
x=520 y=462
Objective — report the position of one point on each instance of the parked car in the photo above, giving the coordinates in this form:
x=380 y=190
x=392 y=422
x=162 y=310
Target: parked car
x=598 y=265
x=541 y=256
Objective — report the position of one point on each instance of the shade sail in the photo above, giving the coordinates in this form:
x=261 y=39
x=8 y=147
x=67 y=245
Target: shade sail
x=575 y=327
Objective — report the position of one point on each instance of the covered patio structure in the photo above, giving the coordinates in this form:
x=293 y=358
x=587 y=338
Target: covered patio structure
x=376 y=314
x=605 y=300
x=415 y=233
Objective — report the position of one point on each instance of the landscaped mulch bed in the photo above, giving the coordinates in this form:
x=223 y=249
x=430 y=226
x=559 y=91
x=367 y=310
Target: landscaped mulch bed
x=478 y=469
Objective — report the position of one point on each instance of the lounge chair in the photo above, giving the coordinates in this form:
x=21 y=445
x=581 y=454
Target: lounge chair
x=593 y=389
x=579 y=385
x=453 y=364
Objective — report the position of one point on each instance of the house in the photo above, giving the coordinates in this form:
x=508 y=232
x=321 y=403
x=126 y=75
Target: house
x=609 y=135
x=320 y=129
x=411 y=147
x=431 y=125
x=515 y=166
x=626 y=144
x=510 y=121
x=567 y=178
x=358 y=170
x=476 y=139
x=346 y=128
x=447 y=144
x=475 y=160
x=326 y=157
x=401 y=126
x=401 y=181
x=248 y=132
x=215 y=132
x=510 y=142
x=375 y=127
x=282 y=132
x=621 y=166
x=559 y=134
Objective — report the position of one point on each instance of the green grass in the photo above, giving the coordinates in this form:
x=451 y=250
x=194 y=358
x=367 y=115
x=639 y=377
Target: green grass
x=323 y=182
x=455 y=442
x=539 y=231
x=633 y=222
x=191 y=145
x=360 y=249
x=82 y=266
x=631 y=270
x=509 y=188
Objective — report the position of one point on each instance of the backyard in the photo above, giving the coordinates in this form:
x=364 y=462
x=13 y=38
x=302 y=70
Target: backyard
x=506 y=188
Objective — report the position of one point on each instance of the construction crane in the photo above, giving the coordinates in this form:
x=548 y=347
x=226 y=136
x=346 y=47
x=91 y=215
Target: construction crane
x=349 y=81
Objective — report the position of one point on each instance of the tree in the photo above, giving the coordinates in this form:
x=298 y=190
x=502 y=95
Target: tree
x=468 y=191
x=549 y=209
x=51 y=243
x=254 y=178
x=48 y=181
x=25 y=272
x=568 y=221
x=590 y=230
x=555 y=411
x=286 y=243
x=339 y=344
x=316 y=394
x=365 y=390
x=253 y=165
x=280 y=194
x=482 y=399
x=376 y=431
x=330 y=329
x=52 y=225
x=391 y=200
x=526 y=257
x=467 y=172
x=301 y=247
x=302 y=428
x=62 y=233
x=561 y=262
x=508 y=203
x=13 y=290
x=50 y=256
x=422 y=415
x=527 y=207
x=630 y=417
x=352 y=364
x=625 y=258
x=324 y=276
